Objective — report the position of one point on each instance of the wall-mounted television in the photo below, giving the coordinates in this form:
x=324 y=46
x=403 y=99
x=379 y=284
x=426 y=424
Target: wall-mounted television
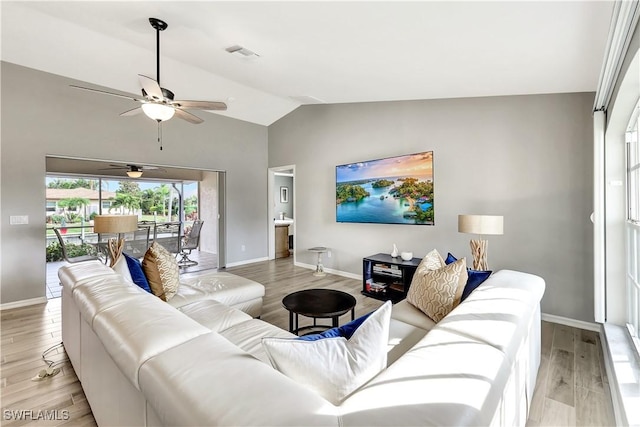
x=394 y=190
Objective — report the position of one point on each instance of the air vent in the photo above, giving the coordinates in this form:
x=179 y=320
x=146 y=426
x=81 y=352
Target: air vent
x=242 y=52
x=307 y=99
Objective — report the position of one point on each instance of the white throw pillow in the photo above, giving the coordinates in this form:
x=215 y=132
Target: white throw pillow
x=122 y=268
x=335 y=367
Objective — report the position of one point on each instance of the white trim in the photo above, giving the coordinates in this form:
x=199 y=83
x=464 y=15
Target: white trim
x=247 y=261
x=623 y=23
x=572 y=322
x=23 y=303
x=599 y=225
x=330 y=270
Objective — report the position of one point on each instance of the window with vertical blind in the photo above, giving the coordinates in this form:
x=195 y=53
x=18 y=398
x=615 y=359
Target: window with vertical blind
x=633 y=225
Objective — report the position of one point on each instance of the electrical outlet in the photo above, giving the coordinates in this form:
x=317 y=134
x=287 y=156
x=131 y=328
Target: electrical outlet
x=19 y=219
x=328 y=254
x=242 y=248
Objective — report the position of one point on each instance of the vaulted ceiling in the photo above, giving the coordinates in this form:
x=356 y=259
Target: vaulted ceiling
x=310 y=52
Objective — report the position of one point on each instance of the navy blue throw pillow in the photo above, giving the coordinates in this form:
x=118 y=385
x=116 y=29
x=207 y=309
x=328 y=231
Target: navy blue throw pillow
x=135 y=269
x=345 y=330
x=476 y=277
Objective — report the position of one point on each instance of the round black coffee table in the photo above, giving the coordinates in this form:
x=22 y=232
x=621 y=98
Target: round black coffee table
x=318 y=304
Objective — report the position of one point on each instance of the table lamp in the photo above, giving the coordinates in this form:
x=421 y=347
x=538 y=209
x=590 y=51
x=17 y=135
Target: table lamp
x=482 y=225
x=116 y=224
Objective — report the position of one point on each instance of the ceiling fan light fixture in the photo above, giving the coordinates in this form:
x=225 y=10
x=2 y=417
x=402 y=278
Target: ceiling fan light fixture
x=134 y=174
x=158 y=112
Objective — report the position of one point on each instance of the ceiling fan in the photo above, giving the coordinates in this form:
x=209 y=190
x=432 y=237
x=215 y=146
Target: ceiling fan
x=133 y=171
x=157 y=102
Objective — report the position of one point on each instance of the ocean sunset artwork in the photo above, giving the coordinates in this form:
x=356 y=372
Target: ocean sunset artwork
x=394 y=190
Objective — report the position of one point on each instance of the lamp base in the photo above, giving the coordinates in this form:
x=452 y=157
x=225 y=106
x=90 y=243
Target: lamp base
x=114 y=247
x=479 y=252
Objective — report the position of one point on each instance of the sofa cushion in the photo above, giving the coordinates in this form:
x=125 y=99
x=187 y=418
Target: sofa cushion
x=141 y=327
x=162 y=272
x=214 y=315
x=224 y=287
x=74 y=274
x=437 y=292
x=476 y=277
x=209 y=381
x=248 y=336
x=335 y=367
x=403 y=311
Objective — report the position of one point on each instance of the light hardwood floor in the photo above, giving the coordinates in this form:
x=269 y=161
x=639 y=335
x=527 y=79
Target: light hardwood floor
x=572 y=388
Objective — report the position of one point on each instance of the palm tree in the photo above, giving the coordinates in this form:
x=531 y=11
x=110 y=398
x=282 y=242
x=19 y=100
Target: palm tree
x=73 y=203
x=128 y=201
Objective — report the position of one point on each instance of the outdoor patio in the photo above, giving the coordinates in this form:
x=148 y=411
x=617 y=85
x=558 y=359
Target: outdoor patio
x=206 y=261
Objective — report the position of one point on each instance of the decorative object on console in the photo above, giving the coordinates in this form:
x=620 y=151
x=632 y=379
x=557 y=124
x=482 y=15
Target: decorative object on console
x=406 y=256
x=162 y=271
x=481 y=225
x=115 y=224
x=475 y=277
x=334 y=365
x=394 y=252
x=437 y=291
x=395 y=190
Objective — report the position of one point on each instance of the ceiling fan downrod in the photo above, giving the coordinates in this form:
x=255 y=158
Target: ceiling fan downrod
x=159 y=25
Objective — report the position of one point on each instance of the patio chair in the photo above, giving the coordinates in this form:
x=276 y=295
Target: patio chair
x=74 y=259
x=137 y=243
x=169 y=234
x=190 y=242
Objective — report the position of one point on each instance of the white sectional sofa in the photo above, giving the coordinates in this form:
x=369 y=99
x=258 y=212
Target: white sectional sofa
x=198 y=361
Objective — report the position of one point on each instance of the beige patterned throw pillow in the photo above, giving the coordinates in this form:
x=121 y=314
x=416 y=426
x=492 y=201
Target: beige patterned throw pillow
x=437 y=292
x=162 y=272
x=431 y=261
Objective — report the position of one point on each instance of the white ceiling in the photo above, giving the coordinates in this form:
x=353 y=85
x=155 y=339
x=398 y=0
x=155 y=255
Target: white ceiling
x=337 y=52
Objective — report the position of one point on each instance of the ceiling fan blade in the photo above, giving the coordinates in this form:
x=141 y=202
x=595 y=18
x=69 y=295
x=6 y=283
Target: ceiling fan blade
x=201 y=105
x=104 y=92
x=151 y=87
x=132 y=112
x=191 y=118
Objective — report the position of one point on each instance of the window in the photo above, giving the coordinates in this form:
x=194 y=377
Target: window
x=633 y=226
x=51 y=206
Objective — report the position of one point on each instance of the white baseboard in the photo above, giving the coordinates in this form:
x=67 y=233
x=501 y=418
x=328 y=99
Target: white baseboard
x=23 y=303
x=331 y=271
x=596 y=327
x=246 y=261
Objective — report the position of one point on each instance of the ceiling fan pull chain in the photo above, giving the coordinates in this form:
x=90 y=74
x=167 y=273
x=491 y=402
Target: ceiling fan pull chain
x=160 y=134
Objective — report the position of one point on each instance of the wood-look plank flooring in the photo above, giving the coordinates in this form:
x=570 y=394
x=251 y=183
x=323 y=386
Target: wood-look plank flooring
x=572 y=387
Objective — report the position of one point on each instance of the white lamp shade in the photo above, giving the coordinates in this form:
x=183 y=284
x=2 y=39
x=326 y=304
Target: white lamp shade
x=115 y=223
x=480 y=224
x=159 y=112
x=134 y=174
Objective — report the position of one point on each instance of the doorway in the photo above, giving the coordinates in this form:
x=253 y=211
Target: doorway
x=281 y=211
x=190 y=195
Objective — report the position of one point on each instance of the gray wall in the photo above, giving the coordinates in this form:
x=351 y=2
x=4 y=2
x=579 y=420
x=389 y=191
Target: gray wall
x=42 y=116
x=287 y=208
x=529 y=158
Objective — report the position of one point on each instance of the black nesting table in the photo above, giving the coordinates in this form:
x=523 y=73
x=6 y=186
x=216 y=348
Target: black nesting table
x=318 y=304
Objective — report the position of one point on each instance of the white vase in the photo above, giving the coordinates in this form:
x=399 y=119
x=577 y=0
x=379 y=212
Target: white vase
x=394 y=252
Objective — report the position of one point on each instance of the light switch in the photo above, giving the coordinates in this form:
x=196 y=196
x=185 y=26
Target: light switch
x=19 y=219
